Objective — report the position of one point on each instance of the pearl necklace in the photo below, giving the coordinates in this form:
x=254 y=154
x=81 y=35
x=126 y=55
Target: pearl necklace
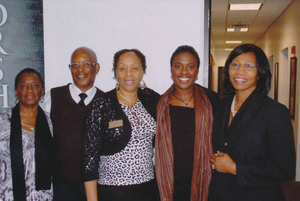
x=130 y=99
x=186 y=103
x=30 y=127
x=232 y=107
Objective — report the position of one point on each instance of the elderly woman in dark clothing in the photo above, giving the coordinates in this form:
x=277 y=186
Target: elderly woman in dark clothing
x=252 y=134
x=183 y=139
x=119 y=136
x=26 y=146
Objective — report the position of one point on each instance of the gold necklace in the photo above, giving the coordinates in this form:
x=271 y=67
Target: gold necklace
x=130 y=99
x=30 y=127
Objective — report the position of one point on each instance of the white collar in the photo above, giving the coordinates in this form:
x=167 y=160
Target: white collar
x=232 y=107
x=75 y=91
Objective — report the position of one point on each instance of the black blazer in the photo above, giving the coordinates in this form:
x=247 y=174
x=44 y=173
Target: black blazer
x=260 y=141
x=212 y=96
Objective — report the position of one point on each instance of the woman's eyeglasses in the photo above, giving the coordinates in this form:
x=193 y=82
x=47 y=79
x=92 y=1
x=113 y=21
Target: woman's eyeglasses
x=246 y=67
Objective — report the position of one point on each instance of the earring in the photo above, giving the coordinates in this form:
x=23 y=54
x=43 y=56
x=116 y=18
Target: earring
x=16 y=100
x=142 y=84
x=42 y=100
x=117 y=84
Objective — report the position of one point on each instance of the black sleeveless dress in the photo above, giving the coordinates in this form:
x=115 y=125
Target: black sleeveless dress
x=183 y=137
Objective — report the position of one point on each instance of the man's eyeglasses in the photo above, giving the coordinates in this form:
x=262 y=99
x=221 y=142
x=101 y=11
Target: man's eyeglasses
x=246 y=67
x=85 y=65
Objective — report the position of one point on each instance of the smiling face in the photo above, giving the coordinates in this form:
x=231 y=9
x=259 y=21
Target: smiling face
x=84 y=77
x=129 y=72
x=242 y=80
x=29 y=90
x=184 y=70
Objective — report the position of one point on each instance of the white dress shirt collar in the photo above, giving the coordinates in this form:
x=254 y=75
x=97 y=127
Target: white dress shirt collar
x=75 y=91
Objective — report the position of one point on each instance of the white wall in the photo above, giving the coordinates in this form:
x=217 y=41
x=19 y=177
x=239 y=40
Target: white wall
x=155 y=27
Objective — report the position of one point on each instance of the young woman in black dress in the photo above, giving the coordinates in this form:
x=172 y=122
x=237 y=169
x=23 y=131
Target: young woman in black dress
x=183 y=139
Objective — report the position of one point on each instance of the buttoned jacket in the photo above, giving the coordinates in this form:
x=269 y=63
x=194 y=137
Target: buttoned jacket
x=260 y=141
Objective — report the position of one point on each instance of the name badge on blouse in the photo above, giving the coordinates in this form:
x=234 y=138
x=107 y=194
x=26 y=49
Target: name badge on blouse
x=114 y=124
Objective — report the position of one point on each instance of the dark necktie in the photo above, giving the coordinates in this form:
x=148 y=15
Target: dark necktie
x=82 y=97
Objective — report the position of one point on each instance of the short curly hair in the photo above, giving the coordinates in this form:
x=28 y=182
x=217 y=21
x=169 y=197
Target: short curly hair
x=29 y=70
x=136 y=51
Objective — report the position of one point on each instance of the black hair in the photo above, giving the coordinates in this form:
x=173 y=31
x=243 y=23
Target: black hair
x=29 y=70
x=264 y=74
x=136 y=51
x=185 y=48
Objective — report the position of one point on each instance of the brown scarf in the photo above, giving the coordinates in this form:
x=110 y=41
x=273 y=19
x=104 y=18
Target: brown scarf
x=164 y=157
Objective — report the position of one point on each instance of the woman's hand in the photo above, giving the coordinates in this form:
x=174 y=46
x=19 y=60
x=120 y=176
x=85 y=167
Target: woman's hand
x=222 y=163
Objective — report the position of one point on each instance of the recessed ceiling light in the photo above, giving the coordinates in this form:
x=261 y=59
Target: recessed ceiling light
x=244 y=30
x=230 y=29
x=228 y=49
x=233 y=41
x=237 y=29
x=246 y=6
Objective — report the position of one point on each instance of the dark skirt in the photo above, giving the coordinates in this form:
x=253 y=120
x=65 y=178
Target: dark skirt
x=146 y=191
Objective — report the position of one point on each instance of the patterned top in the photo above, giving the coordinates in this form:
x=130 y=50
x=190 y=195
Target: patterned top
x=134 y=164
x=6 y=189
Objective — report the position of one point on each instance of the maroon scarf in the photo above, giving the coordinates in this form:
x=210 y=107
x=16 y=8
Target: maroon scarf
x=164 y=157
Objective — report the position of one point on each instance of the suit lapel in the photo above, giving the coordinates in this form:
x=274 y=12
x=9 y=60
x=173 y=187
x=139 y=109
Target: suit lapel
x=220 y=125
x=244 y=118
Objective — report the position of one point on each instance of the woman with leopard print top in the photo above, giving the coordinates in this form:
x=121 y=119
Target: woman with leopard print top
x=119 y=136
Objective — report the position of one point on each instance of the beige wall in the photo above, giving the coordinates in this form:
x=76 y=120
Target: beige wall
x=282 y=35
x=220 y=58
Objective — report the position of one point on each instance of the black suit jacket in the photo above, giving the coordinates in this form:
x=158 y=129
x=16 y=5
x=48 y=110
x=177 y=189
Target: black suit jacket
x=260 y=141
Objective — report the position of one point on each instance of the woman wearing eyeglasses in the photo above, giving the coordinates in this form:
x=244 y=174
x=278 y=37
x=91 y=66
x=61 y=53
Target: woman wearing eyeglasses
x=119 y=137
x=253 y=137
